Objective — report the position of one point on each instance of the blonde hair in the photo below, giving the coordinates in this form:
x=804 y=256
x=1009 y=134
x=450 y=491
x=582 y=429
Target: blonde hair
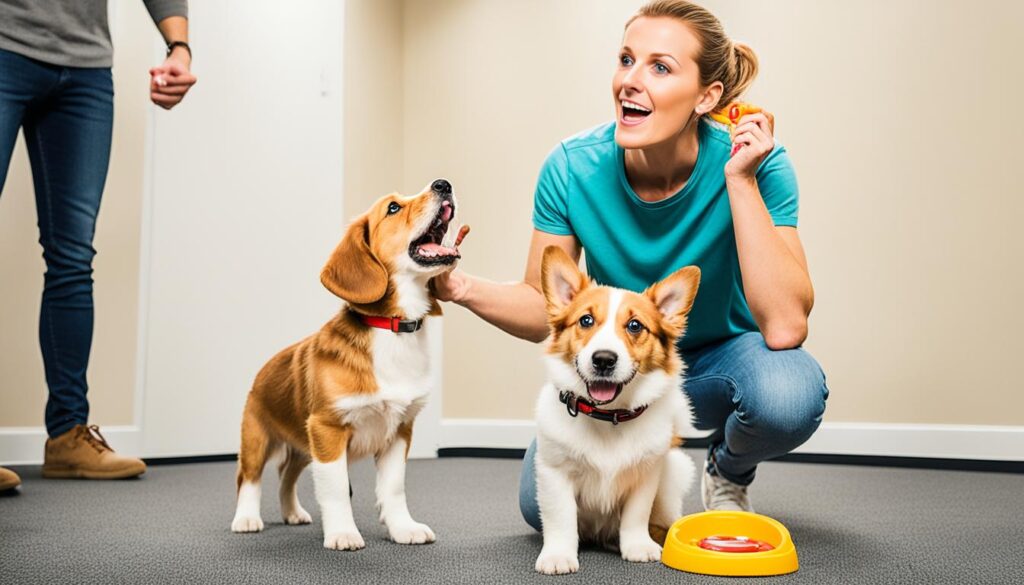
x=719 y=58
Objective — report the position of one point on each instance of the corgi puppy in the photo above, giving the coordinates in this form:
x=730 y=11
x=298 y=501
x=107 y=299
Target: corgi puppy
x=353 y=388
x=610 y=418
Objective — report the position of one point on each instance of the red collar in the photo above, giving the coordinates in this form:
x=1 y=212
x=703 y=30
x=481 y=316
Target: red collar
x=392 y=323
x=575 y=405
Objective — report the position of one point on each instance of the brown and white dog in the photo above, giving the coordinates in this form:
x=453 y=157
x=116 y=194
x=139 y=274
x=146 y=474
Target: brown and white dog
x=353 y=388
x=610 y=418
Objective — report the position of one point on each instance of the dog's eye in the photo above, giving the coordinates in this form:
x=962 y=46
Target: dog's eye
x=393 y=208
x=587 y=321
x=634 y=326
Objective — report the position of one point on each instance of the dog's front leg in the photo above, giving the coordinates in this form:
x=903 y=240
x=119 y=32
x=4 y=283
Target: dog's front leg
x=394 y=511
x=635 y=540
x=328 y=441
x=556 y=497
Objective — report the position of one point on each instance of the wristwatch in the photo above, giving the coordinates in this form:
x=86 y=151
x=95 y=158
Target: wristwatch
x=172 y=44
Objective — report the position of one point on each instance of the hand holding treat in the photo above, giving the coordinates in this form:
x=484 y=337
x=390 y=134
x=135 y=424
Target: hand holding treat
x=752 y=132
x=452 y=285
x=731 y=115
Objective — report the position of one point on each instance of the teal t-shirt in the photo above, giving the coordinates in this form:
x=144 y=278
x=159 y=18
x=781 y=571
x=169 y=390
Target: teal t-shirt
x=630 y=243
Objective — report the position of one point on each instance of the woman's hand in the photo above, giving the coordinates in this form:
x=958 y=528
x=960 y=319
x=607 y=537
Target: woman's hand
x=753 y=139
x=169 y=82
x=452 y=286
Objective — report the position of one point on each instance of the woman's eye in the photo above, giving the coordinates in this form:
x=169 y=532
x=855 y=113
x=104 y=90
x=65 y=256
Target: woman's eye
x=660 y=68
x=393 y=208
x=586 y=321
x=625 y=60
x=634 y=326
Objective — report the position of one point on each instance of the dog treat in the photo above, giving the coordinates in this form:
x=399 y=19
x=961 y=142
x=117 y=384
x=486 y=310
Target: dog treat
x=455 y=234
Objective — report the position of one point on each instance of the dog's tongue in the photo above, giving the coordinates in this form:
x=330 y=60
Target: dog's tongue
x=602 y=391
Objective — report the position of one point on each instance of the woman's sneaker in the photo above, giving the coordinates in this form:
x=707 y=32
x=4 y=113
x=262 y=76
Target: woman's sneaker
x=719 y=493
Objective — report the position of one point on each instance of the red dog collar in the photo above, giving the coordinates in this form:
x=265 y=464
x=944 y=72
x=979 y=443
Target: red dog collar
x=575 y=405
x=392 y=324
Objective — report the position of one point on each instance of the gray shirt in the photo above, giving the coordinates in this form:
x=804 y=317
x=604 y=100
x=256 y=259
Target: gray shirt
x=71 y=33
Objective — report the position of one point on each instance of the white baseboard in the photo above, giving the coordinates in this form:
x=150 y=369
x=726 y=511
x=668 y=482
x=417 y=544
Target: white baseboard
x=24 y=445
x=1000 y=443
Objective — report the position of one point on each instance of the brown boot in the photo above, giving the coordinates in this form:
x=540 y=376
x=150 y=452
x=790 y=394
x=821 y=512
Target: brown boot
x=82 y=452
x=8 y=479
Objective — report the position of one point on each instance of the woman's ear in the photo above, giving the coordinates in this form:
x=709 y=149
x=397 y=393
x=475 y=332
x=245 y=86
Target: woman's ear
x=353 y=272
x=709 y=100
x=560 y=279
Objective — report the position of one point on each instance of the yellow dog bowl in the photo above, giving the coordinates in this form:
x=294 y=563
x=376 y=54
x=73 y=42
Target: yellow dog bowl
x=730 y=544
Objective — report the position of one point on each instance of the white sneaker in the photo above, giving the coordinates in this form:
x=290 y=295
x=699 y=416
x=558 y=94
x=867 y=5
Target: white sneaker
x=719 y=493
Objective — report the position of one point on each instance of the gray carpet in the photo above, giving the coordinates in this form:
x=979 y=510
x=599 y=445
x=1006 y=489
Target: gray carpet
x=850 y=524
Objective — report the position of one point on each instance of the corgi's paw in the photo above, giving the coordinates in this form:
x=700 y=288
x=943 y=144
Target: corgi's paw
x=557 y=563
x=412 y=533
x=344 y=541
x=243 y=524
x=297 y=516
x=641 y=551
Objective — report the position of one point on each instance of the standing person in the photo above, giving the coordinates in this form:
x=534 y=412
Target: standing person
x=657 y=190
x=56 y=85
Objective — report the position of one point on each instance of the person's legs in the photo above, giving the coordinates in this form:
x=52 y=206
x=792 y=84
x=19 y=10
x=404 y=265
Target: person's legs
x=763 y=403
x=21 y=81
x=68 y=135
x=528 y=488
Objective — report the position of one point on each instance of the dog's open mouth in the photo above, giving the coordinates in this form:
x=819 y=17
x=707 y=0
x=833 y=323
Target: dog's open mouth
x=433 y=247
x=602 y=392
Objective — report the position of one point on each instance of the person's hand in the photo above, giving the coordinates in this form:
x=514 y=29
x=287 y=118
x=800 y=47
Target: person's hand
x=752 y=140
x=169 y=82
x=452 y=286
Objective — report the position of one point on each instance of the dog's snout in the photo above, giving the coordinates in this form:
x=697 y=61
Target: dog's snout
x=441 y=187
x=604 y=361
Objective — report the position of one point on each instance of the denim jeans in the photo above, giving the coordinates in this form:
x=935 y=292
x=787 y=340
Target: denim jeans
x=761 y=403
x=67 y=116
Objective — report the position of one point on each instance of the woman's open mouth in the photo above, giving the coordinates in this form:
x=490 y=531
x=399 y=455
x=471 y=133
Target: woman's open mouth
x=632 y=113
x=435 y=247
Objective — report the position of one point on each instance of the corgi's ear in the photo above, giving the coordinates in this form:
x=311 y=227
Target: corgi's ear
x=353 y=272
x=674 y=296
x=560 y=279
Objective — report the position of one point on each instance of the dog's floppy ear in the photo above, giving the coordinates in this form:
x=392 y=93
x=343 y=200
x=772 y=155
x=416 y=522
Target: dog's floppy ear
x=560 y=279
x=674 y=296
x=353 y=272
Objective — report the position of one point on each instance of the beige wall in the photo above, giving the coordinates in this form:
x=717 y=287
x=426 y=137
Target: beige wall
x=373 y=101
x=908 y=209
x=112 y=365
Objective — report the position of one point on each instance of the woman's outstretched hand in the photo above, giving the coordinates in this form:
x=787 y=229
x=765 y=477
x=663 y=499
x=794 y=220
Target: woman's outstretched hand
x=753 y=139
x=452 y=286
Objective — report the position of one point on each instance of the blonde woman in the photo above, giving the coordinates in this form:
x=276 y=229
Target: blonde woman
x=656 y=190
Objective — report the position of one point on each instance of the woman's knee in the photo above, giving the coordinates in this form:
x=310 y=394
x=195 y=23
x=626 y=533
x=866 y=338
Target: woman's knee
x=786 y=397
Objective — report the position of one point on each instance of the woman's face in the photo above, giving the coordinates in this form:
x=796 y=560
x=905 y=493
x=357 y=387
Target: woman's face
x=657 y=83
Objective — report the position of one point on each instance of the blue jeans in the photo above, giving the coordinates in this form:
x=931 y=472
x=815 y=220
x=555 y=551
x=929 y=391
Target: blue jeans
x=67 y=115
x=762 y=403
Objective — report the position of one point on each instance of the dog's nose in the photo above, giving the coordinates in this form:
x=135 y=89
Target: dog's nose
x=441 y=187
x=604 y=360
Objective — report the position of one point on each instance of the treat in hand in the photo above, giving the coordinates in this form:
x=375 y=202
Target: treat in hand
x=730 y=116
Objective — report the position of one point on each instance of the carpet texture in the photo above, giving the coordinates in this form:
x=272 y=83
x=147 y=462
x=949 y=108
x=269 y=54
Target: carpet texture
x=857 y=525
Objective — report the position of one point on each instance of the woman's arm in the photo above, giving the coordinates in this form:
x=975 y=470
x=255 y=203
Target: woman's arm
x=171 y=81
x=776 y=281
x=517 y=307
